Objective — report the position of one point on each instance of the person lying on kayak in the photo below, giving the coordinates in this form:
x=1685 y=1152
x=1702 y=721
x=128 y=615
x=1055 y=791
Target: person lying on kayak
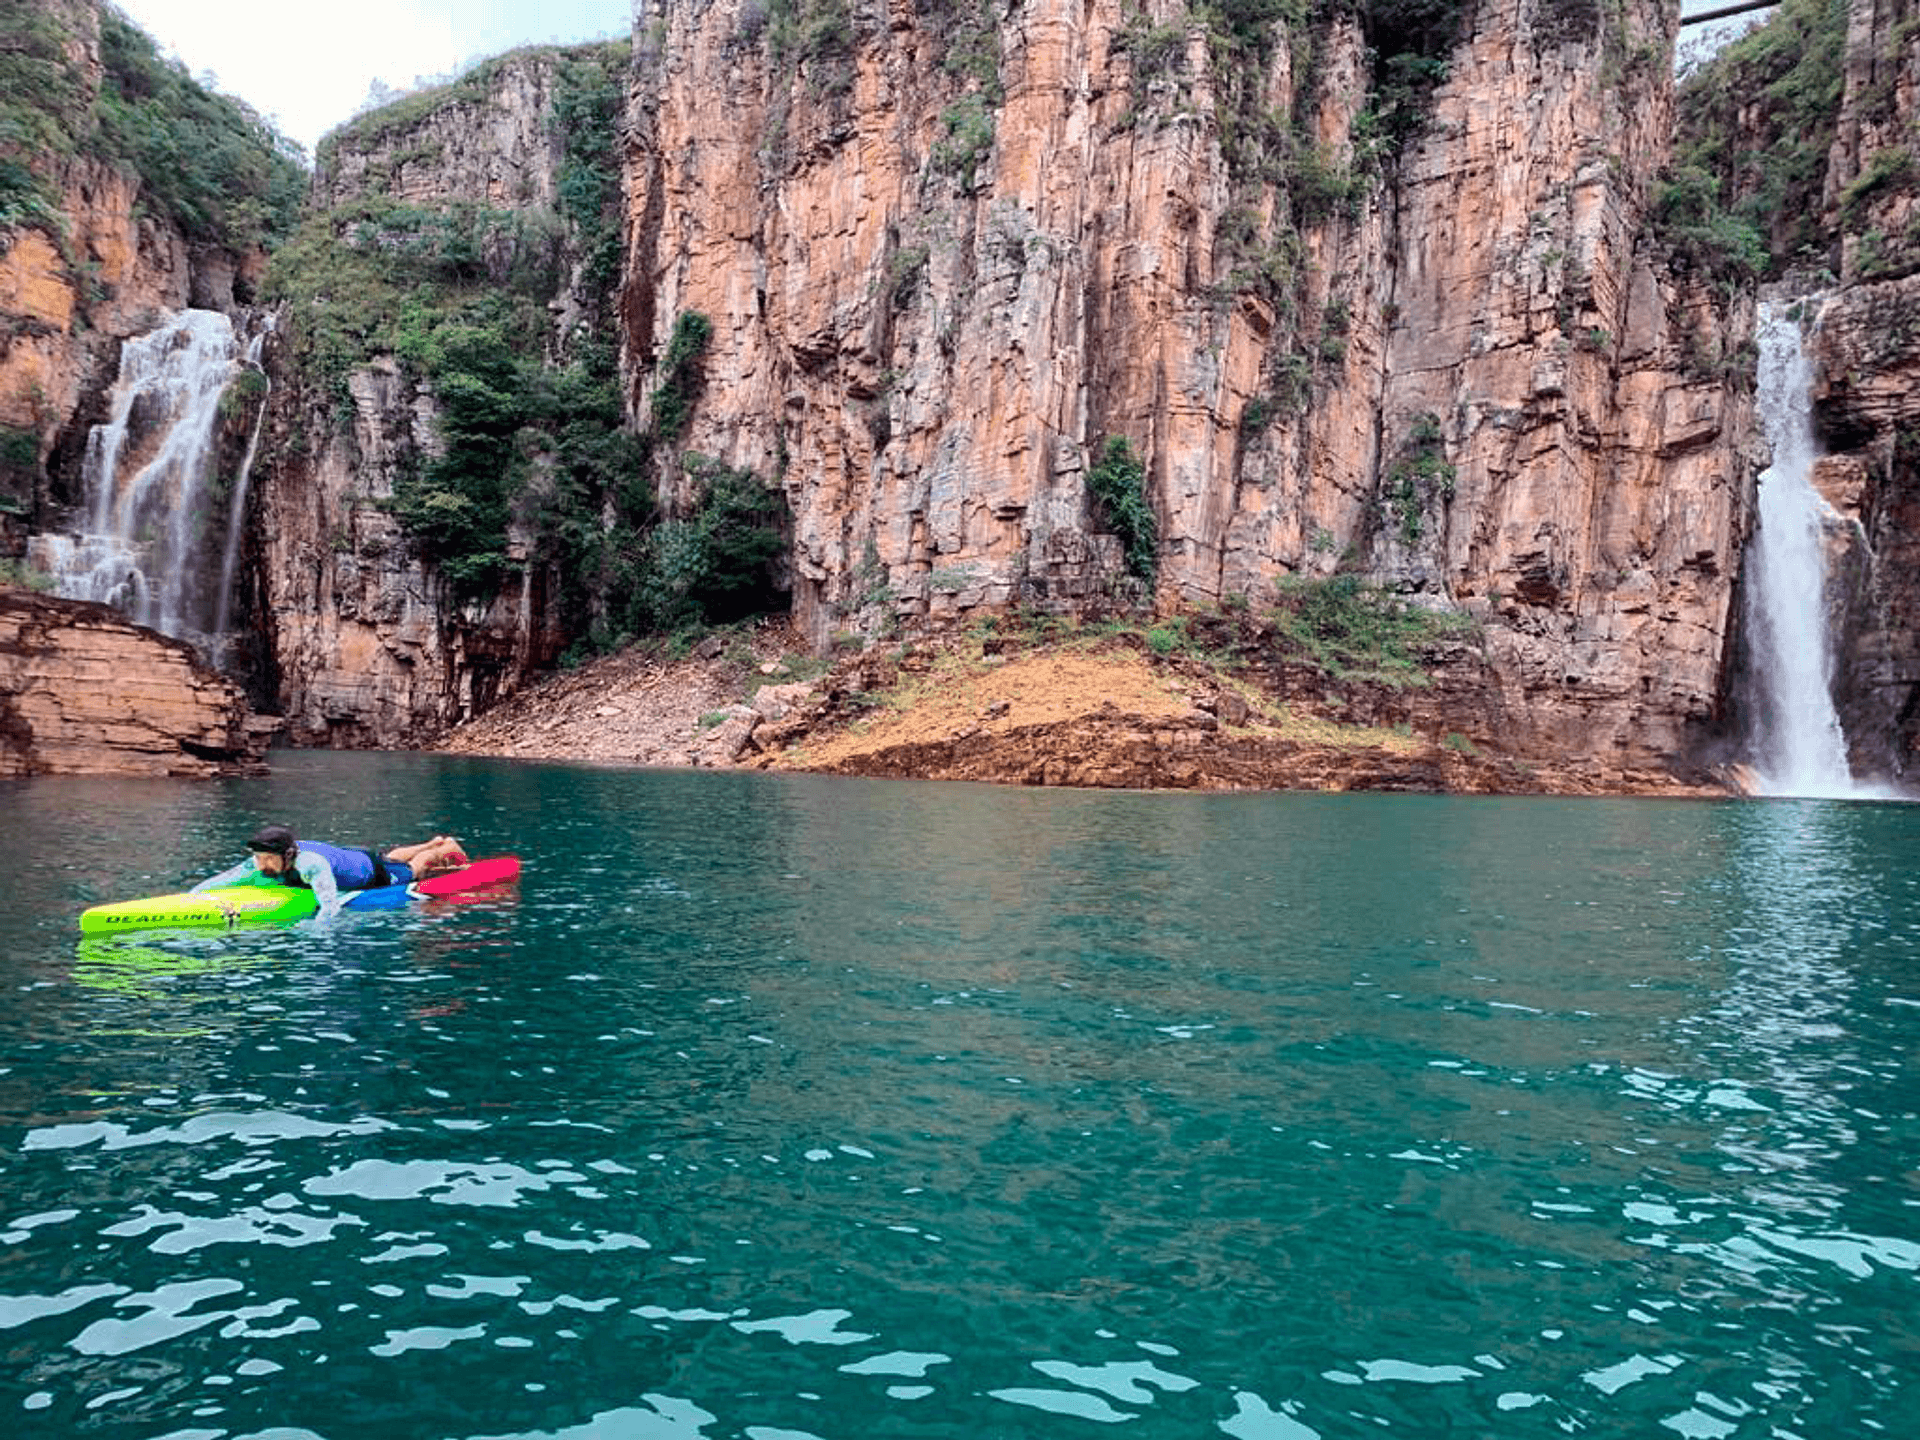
x=329 y=869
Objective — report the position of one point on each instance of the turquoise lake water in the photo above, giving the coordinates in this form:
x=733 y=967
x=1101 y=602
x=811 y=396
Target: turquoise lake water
x=776 y=1107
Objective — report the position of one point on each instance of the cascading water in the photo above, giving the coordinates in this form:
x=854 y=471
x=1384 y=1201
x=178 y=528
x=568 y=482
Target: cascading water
x=1800 y=747
x=148 y=475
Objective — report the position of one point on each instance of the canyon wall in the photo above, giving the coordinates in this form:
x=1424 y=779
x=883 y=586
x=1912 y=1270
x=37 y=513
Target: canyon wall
x=109 y=226
x=1866 y=340
x=365 y=640
x=1399 y=303
x=938 y=286
x=360 y=642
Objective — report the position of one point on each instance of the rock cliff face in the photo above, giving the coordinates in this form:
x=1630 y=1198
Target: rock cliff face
x=92 y=252
x=1463 y=371
x=486 y=139
x=1868 y=396
x=1361 y=300
x=1872 y=192
x=1867 y=387
x=364 y=642
x=82 y=692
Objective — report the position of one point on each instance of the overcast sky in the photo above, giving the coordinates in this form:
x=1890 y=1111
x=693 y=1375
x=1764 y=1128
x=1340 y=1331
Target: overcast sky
x=307 y=66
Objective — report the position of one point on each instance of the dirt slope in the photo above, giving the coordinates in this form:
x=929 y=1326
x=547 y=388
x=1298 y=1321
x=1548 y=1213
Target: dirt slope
x=1093 y=709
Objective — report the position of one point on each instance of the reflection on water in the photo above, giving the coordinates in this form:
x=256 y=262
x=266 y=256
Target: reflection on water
x=771 y=1107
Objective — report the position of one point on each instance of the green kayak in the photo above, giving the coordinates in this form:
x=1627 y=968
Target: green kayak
x=228 y=906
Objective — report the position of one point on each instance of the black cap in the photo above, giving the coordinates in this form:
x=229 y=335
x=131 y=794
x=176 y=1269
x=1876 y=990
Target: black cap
x=272 y=840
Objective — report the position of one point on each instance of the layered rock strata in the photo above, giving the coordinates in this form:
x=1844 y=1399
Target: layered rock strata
x=98 y=261
x=1866 y=348
x=1872 y=193
x=83 y=692
x=486 y=138
x=933 y=300
x=364 y=645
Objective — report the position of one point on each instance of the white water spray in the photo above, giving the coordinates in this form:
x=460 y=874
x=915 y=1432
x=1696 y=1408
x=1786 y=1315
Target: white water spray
x=147 y=478
x=1801 y=749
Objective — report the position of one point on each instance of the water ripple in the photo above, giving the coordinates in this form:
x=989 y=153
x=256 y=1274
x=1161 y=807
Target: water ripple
x=1333 y=1115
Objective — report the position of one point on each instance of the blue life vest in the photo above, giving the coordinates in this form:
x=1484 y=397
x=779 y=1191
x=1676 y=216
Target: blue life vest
x=352 y=869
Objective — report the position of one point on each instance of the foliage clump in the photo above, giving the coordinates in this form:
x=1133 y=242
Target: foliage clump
x=722 y=562
x=817 y=37
x=1412 y=43
x=1353 y=630
x=966 y=137
x=534 y=439
x=680 y=376
x=1753 y=131
x=1419 y=475
x=19 y=468
x=359 y=280
x=1118 y=484
x=586 y=105
x=458 y=504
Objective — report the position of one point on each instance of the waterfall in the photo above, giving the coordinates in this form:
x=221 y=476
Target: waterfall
x=149 y=483
x=1800 y=748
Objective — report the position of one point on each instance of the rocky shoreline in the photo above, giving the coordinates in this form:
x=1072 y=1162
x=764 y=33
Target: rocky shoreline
x=1096 y=709
x=1109 y=706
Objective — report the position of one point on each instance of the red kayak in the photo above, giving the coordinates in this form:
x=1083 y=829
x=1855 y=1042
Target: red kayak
x=494 y=870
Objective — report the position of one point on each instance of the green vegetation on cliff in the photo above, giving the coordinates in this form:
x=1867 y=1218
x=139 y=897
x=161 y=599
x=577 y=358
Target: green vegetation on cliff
x=1266 y=66
x=1418 y=478
x=19 y=468
x=206 y=162
x=1412 y=43
x=458 y=503
x=358 y=280
x=1118 y=483
x=458 y=293
x=1352 y=630
x=714 y=566
x=534 y=447
x=1754 y=129
x=587 y=97
x=1341 y=627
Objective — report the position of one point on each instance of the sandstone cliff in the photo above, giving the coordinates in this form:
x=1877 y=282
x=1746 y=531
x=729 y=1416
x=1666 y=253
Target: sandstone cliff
x=127 y=192
x=360 y=642
x=1461 y=368
x=1397 y=293
x=83 y=692
x=421 y=216
x=1867 y=382
x=1867 y=385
